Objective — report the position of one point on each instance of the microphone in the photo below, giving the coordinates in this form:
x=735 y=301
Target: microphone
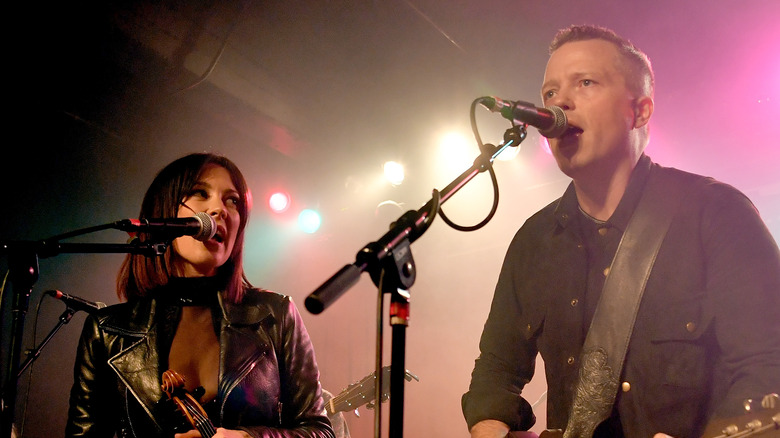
x=201 y=226
x=550 y=121
x=75 y=302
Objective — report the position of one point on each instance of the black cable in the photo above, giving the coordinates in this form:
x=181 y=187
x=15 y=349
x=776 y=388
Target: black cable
x=483 y=150
x=221 y=50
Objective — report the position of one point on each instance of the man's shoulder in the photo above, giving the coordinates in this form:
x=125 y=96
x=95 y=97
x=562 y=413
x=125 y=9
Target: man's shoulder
x=546 y=215
x=702 y=187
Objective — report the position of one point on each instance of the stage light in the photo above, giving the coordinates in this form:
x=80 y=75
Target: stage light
x=394 y=172
x=309 y=221
x=456 y=154
x=279 y=202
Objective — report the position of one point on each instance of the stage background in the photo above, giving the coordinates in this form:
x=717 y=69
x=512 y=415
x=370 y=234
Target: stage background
x=313 y=97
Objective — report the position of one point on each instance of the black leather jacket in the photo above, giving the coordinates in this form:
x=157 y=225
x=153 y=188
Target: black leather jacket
x=268 y=379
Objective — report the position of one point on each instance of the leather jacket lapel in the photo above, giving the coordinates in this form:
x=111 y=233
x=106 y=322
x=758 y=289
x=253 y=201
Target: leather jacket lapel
x=244 y=343
x=137 y=363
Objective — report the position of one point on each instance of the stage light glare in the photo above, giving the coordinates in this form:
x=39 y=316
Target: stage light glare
x=545 y=145
x=456 y=152
x=309 y=221
x=279 y=202
x=394 y=172
x=509 y=153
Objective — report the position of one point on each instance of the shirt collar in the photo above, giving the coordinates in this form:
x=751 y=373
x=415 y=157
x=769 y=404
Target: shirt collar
x=568 y=207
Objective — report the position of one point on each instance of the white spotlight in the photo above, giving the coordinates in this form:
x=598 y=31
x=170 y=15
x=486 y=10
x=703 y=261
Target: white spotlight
x=394 y=172
x=456 y=154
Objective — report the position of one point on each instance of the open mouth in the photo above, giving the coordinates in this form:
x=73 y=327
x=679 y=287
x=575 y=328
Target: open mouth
x=572 y=131
x=219 y=236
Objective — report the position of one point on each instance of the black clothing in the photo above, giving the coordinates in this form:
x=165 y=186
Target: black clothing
x=268 y=377
x=706 y=335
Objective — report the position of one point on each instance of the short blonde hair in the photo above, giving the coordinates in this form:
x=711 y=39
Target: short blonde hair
x=639 y=72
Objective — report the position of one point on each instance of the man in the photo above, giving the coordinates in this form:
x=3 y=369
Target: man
x=706 y=334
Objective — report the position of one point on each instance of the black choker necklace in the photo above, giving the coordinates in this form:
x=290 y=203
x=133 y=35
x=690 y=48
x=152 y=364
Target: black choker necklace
x=192 y=291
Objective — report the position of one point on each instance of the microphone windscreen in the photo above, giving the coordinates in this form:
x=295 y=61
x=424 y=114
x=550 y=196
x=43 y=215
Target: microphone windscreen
x=560 y=125
x=208 y=226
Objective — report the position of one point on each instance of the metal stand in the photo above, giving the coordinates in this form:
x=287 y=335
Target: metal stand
x=390 y=264
x=23 y=266
x=65 y=318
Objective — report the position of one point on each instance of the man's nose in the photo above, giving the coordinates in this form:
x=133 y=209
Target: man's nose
x=562 y=99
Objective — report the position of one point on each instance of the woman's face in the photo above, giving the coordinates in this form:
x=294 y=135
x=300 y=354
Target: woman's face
x=215 y=194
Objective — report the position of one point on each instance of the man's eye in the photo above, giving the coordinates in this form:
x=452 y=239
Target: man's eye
x=549 y=94
x=587 y=82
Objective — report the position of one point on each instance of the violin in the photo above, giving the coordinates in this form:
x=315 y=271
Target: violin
x=173 y=387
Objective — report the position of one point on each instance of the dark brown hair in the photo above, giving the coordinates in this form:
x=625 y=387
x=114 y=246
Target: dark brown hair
x=639 y=72
x=140 y=274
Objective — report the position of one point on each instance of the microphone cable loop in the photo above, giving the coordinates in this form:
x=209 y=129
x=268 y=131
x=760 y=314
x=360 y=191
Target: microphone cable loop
x=516 y=134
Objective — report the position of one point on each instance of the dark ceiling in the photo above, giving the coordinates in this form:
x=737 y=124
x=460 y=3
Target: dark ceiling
x=325 y=90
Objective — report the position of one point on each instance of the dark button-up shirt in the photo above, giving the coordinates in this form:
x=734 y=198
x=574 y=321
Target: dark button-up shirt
x=706 y=335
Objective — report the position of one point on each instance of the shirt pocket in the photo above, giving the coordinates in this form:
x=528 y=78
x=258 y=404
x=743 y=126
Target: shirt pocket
x=680 y=342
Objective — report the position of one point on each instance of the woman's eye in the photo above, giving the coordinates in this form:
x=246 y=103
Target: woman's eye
x=196 y=194
x=234 y=200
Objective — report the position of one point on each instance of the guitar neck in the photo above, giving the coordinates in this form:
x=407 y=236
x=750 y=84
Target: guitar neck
x=763 y=423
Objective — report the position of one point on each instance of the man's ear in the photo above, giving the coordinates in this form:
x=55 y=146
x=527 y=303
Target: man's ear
x=643 y=109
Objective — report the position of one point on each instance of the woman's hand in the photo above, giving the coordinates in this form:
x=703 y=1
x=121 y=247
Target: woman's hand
x=221 y=433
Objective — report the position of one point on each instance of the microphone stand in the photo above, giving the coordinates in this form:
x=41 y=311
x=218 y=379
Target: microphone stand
x=391 y=266
x=34 y=354
x=24 y=272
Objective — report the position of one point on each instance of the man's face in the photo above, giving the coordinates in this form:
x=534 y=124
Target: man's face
x=586 y=80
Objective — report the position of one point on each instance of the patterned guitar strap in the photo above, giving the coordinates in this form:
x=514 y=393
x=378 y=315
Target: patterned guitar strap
x=607 y=340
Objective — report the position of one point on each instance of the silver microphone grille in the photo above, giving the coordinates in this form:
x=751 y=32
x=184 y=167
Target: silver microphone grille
x=560 y=125
x=208 y=227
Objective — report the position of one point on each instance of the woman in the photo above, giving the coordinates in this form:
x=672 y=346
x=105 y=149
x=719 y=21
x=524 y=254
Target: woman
x=244 y=353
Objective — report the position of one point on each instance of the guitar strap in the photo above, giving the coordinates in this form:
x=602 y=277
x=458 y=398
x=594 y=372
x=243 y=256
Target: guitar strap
x=607 y=340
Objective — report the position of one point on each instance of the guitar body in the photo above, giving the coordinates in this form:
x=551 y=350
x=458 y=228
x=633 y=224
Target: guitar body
x=762 y=423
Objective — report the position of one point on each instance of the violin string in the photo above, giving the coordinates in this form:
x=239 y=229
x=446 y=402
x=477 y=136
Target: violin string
x=201 y=420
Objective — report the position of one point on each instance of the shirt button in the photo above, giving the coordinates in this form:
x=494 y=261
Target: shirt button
x=603 y=231
x=625 y=386
x=606 y=271
x=691 y=327
x=574 y=302
x=570 y=360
